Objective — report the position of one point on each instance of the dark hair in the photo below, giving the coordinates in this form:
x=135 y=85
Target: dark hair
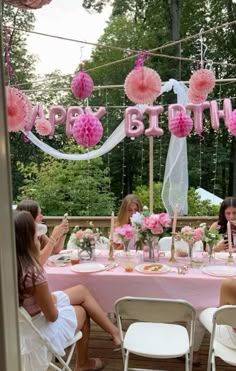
x=26 y=250
x=29 y=205
x=222 y=221
x=122 y=217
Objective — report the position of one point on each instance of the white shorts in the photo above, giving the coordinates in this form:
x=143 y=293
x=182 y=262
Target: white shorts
x=61 y=332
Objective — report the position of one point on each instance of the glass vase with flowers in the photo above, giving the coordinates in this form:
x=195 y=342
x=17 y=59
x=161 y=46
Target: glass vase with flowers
x=84 y=241
x=149 y=228
x=123 y=235
x=190 y=235
x=210 y=238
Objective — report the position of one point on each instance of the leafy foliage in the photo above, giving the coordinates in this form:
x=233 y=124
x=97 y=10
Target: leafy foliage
x=76 y=187
x=195 y=205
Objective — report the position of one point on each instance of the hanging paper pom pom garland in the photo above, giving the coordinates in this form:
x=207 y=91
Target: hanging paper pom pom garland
x=232 y=123
x=196 y=97
x=43 y=126
x=87 y=130
x=142 y=85
x=82 y=85
x=181 y=124
x=201 y=83
x=28 y=4
x=19 y=110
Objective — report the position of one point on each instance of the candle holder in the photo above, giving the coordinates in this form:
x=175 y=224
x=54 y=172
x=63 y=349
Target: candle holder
x=230 y=257
x=111 y=255
x=172 y=249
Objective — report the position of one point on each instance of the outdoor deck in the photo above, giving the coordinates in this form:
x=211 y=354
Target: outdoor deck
x=101 y=346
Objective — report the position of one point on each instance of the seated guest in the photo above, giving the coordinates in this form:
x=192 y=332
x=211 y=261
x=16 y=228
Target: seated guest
x=226 y=335
x=227 y=213
x=129 y=206
x=58 y=315
x=48 y=245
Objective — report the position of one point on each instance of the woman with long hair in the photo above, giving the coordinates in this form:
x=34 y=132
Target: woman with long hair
x=58 y=315
x=129 y=206
x=48 y=245
x=227 y=213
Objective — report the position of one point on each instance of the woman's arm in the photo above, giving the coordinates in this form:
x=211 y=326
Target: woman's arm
x=222 y=244
x=45 y=301
x=54 y=243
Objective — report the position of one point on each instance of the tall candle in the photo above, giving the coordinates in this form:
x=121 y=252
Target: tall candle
x=229 y=236
x=174 y=220
x=112 y=225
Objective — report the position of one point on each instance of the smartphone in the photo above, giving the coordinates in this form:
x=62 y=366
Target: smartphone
x=225 y=236
x=64 y=258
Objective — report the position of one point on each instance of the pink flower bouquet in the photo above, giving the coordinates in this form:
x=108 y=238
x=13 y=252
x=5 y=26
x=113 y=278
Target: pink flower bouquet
x=149 y=227
x=123 y=235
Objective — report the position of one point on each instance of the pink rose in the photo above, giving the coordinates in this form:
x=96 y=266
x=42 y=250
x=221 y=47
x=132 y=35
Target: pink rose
x=187 y=230
x=79 y=234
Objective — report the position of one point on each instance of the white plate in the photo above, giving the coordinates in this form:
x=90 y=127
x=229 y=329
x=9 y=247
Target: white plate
x=88 y=267
x=223 y=255
x=59 y=259
x=220 y=270
x=141 y=268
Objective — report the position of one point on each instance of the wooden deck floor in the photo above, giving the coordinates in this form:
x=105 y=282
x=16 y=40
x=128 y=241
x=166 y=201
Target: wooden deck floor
x=101 y=346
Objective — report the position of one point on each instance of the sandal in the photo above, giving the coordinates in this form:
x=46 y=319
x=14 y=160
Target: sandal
x=98 y=365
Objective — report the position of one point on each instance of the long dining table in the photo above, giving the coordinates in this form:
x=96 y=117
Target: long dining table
x=197 y=287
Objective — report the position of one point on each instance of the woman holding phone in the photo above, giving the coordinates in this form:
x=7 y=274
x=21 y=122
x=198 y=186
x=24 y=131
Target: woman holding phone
x=48 y=245
x=227 y=213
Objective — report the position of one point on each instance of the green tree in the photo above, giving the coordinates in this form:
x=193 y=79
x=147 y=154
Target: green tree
x=195 y=205
x=76 y=187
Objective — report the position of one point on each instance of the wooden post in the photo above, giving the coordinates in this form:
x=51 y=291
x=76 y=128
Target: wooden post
x=151 y=174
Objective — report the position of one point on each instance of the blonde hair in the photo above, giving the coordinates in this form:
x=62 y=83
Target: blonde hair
x=122 y=217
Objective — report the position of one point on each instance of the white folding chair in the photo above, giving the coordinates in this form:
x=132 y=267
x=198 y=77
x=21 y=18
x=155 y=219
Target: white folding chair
x=165 y=243
x=225 y=315
x=154 y=332
x=30 y=335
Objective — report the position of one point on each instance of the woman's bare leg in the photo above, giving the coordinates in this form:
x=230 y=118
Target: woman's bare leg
x=80 y=295
x=228 y=292
x=83 y=362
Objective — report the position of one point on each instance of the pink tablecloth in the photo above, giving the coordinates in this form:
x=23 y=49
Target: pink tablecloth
x=198 y=288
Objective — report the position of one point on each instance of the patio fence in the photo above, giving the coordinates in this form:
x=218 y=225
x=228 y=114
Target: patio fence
x=103 y=222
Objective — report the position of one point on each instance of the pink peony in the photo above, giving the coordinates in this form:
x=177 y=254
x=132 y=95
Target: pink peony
x=165 y=219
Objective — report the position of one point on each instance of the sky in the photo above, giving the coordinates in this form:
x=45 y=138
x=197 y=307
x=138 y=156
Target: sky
x=71 y=21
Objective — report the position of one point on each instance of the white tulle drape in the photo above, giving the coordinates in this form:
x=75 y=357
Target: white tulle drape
x=175 y=183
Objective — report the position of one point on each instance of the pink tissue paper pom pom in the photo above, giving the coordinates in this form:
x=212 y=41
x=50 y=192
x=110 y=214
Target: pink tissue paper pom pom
x=196 y=97
x=19 y=109
x=28 y=4
x=87 y=130
x=202 y=81
x=232 y=123
x=43 y=126
x=82 y=85
x=142 y=85
x=181 y=124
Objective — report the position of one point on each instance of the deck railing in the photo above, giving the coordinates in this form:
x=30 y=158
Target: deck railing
x=103 y=222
